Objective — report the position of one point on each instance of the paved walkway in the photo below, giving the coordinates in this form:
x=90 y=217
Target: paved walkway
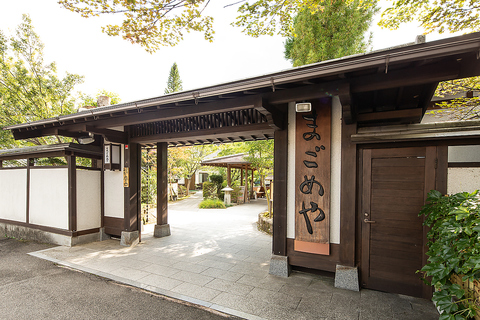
x=217 y=258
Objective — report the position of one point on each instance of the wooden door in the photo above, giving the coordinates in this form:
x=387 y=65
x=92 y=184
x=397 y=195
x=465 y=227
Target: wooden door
x=395 y=185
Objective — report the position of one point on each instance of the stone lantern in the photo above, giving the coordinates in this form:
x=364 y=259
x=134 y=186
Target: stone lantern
x=227 y=198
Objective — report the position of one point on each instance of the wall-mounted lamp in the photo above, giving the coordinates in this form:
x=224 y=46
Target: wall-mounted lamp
x=111 y=156
x=303 y=107
x=86 y=139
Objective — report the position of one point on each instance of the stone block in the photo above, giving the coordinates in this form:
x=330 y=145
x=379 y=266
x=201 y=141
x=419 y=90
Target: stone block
x=279 y=266
x=161 y=231
x=346 y=278
x=129 y=239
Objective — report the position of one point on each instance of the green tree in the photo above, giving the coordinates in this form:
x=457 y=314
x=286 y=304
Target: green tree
x=337 y=30
x=174 y=83
x=434 y=15
x=88 y=100
x=156 y=23
x=260 y=155
x=30 y=89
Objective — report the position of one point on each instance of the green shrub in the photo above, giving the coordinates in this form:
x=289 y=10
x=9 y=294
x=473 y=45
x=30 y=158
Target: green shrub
x=212 y=204
x=209 y=190
x=453 y=249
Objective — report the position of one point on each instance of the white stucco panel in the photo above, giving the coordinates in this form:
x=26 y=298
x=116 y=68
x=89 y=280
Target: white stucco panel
x=89 y=213
x=463 y=179
x=49 y=197
x=13 y=194
x=114 y=204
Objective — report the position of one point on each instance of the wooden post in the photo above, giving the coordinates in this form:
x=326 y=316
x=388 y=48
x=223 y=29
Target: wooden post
x=72 y=193
x=162 y=228
x=162 y=184
x=280 y=195
x=133 y=191
x=251 y=183
x=246 y=185
x=30 y=163
x=229 y=177
x=1 y=163
x=348 y=196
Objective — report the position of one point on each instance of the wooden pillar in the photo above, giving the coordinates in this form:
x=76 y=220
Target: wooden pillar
x=241 y=175
x=251 y=182
x=133 y=191
x=162 y=228
x=229 y=176
x=348 y=195
x=30 y=164
x=72 y=193
x=280 y=195
x=162 y=184
x=246 y=185
x=1 y=163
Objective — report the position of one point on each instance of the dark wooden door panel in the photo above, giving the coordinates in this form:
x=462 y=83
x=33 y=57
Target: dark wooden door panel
x=393 y=237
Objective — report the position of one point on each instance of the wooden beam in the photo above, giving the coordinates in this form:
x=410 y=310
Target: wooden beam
x=168 y=113
x=162 y=183
x=110 y=135
x=219 y=134
x=401 y=78
x=347 y=106
x=275 y=117
x=416 y=113
x=307 y=92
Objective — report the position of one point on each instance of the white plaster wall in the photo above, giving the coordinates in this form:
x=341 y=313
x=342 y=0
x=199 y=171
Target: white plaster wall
x=13 y=194
x=336 y=169
x=291 y=172
x=464 y=153
x=114 y=194
x=49 y=197
x=89 y=195
x=335 y=186
x=463 y=179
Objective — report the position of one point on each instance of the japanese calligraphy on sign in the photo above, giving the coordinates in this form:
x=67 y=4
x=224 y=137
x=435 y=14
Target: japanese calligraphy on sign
x=312 y=173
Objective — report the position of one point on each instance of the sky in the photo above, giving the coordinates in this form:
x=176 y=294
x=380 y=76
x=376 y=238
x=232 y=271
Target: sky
x=77 y=45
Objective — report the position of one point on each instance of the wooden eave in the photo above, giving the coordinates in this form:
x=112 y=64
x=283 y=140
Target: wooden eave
x=54 y=150
x=235 y=161
x=392 y=86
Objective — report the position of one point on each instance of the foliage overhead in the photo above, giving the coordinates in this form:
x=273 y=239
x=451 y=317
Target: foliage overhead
x=466 y=105
x=336 y=30
x=434 y=15
x=30 y=89
x=149 y=23
x=156 y=23
x=453 y=249
x=174 y=83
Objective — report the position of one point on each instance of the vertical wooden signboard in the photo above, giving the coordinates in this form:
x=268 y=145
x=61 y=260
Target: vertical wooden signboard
x=312 y=173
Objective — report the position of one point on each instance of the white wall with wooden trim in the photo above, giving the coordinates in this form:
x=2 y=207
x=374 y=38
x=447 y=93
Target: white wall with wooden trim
x=88 y=200
x=114 y=193
x=13 y=195
x=336 y=135
x=49 y=197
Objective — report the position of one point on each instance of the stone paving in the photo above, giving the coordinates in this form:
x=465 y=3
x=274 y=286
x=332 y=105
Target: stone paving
x=217 y=258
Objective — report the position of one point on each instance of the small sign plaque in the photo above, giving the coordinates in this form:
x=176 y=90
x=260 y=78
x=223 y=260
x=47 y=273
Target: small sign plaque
x=126 y=178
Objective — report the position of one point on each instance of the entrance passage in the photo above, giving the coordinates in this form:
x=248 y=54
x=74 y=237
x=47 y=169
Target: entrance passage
x=395 y=184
